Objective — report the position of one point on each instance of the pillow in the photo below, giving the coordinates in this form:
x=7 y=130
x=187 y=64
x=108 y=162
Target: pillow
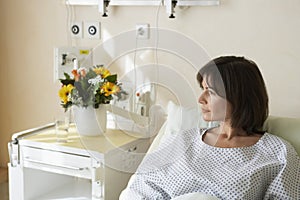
x=179 y=118
x=183 y=118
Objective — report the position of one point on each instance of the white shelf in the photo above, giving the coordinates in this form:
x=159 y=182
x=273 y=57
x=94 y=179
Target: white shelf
x=134 y=3
x=82 y=2
x=75 y=190
x=116 y=2
x=198 y=2
x=144 y=2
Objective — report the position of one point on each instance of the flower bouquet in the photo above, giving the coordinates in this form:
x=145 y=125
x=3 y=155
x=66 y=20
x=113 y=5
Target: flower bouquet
x=90 y=87
x=86 y=91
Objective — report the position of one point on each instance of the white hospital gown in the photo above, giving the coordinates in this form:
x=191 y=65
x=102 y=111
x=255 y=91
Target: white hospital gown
x=269 y=169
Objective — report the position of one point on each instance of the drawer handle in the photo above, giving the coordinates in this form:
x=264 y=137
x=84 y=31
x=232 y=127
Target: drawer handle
x=55 y=165
x=132 y=149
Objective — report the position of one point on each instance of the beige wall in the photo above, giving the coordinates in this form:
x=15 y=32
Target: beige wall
x=266 y=31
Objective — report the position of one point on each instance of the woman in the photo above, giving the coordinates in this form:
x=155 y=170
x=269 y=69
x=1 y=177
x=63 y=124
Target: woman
x=235 y=160
x=235 y=94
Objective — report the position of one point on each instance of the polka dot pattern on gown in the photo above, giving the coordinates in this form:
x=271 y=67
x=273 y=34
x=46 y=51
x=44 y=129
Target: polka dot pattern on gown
x=269 y=169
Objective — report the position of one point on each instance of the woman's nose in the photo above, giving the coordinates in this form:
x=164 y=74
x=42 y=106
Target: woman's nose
x=201 y=99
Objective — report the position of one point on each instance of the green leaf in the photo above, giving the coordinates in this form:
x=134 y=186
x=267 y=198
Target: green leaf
x=67 y=80
x=67 y=75
x=90 y=74
x=112 y=78
x=67 y=105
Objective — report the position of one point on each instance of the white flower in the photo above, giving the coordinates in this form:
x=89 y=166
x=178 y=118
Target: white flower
x=96 y=80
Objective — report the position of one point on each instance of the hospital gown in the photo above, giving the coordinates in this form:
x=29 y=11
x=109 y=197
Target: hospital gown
x=269 y=169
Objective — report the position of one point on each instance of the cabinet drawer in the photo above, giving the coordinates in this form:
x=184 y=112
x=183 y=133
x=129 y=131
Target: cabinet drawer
x=58 y=162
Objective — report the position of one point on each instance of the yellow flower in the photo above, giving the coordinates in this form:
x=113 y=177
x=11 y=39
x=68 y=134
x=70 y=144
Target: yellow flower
x=109 y=88
x=64 y=92
x=102 y=71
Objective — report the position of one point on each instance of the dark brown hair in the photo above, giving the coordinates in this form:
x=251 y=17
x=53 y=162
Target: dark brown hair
x=240 y=82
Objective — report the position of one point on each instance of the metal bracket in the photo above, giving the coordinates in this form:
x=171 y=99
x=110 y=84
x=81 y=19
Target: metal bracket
x=170 y=7
x=102 y=7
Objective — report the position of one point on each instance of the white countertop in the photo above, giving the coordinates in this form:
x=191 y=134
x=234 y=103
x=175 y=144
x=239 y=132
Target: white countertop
x=46 y=139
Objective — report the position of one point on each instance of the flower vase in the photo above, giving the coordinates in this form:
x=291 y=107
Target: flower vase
x=90 y=121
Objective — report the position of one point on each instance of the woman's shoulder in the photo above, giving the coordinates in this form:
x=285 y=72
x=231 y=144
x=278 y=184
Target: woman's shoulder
x=171 y=148
x=276 y=140
x=276 y=145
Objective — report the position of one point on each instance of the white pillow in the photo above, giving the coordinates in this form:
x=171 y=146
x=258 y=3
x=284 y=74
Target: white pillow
x=179 y=118
x=183 y=118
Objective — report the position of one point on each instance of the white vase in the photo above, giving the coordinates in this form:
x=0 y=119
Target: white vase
x=90 y=121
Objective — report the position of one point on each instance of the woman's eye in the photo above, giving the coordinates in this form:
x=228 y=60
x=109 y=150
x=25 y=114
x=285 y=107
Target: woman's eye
x=211 y=92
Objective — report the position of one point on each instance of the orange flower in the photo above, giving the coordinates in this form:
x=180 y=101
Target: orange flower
x=83 y=72
x=75 y=74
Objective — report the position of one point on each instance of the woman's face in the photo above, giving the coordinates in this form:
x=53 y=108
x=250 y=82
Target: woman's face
x=214 y=107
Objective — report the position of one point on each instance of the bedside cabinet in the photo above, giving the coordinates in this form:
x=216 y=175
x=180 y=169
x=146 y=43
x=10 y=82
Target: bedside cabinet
x=83 y=168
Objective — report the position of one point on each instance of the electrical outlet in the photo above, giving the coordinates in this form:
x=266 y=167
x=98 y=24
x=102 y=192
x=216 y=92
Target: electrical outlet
x=64 y=60
x=92 y=30
x=142 y=31
x=76 y=29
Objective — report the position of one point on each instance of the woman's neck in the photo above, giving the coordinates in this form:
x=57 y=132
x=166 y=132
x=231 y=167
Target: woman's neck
x=226 y=136
x=226 y=131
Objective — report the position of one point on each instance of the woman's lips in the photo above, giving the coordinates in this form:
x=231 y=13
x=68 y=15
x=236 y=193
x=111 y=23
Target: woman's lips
x=204 y=110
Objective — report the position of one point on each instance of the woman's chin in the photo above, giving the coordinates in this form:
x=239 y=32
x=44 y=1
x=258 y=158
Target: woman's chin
x=207 y=118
